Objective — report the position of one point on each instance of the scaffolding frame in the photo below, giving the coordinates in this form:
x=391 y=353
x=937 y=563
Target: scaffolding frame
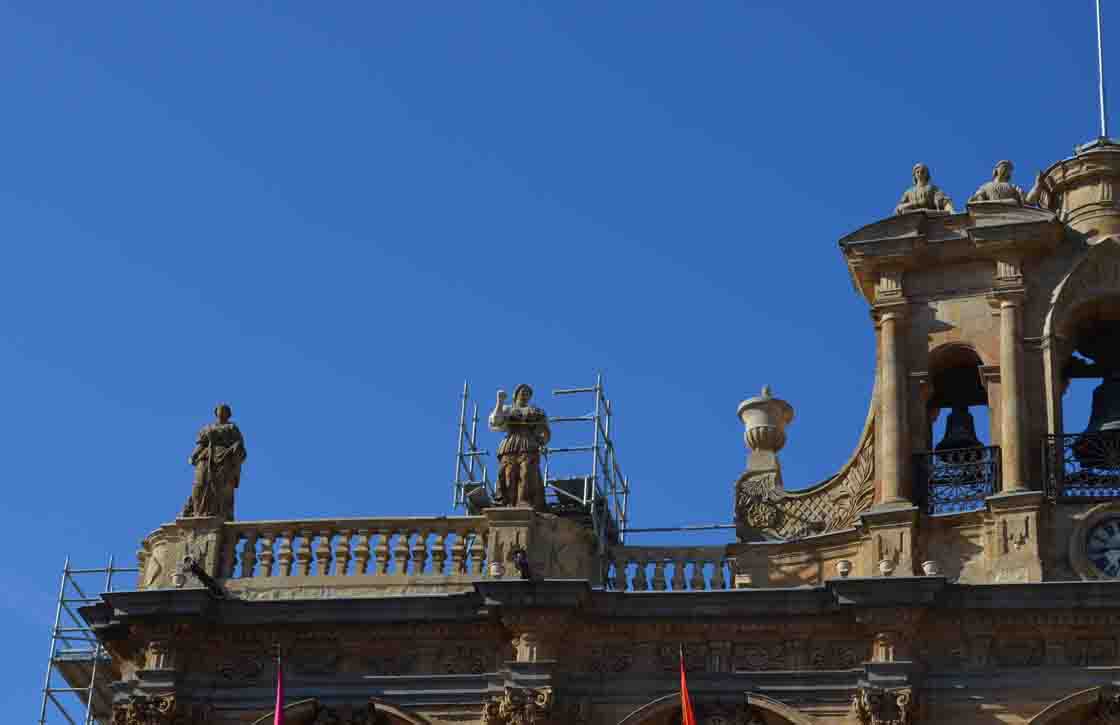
x=603 y=493
x=470 y=460
x=76 y=654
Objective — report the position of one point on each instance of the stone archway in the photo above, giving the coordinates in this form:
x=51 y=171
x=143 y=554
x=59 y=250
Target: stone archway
x=754 y=710
x=1095 y=706
x=374 y=712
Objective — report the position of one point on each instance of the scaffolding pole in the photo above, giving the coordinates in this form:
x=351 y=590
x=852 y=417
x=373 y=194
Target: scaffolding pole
x=76 y=656
x=471 y=485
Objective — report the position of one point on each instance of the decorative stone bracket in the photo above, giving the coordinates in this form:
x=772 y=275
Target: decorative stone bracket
x=158 y=710
x=878 y=706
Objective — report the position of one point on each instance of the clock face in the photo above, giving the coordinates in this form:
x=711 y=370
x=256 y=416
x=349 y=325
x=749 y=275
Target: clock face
x=1103 y=547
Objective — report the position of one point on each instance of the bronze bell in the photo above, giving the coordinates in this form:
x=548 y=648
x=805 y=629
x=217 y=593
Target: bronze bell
x=960 y=431
x=1105 y=414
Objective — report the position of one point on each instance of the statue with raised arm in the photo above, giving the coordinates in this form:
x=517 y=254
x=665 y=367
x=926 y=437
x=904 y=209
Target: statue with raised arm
x=519 y=454
x=923 y=194
x=218 y=454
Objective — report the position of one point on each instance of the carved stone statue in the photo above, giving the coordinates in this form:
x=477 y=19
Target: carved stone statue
x=1000 y=187
x=217 y=457
x=519 y=454
x=923 y=194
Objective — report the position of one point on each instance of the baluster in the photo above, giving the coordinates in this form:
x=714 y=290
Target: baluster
x=420 y=551
x=361 y=553
x=249 y=555
x=718 y=580
x=478 y=553
x=439 y=553
x=696 y=583
x=678 y=573
x=323 y=552
x=620 y=574
x=229 y=557
x=641 y=583
x=285 y=553
x=400 y=552
x=459 y=553
x=381 y=552
x=342 y=553
x=660 y=583
x=303 y=553
x=265 y=558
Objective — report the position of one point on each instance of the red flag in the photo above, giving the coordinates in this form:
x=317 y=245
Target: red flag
x=688 y=717
x=278 y=717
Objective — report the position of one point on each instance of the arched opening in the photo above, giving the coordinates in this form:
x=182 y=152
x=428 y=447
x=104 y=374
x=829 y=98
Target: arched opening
x=749 y=709
x=373 y=712
x=961 y=467
x=1084 y=457
x=1095 y=706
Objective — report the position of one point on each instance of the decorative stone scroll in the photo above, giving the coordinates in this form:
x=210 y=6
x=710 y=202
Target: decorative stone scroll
x=834 y=505
x=532 y=706
x=877 y=706
x=159 y=710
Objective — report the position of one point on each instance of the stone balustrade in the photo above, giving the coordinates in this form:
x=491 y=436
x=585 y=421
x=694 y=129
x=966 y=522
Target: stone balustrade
x=669 y=568
x=352 y=557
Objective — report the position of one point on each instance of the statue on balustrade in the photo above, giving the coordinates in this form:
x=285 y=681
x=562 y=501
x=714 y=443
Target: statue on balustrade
x=923 y=194
x=1000 y=188
x=217 y=457
x=519 y=455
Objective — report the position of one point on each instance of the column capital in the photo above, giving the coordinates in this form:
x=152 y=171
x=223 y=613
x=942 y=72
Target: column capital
x=896 y=311
x=1009 y=297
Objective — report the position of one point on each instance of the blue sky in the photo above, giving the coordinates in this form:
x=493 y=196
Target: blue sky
x=332 y=216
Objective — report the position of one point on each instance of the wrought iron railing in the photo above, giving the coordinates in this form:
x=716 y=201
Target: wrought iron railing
x=1083 y=466
x=958 y=480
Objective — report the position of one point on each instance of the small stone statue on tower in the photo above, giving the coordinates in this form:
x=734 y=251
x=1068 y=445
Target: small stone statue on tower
x=923 y=194
x=1000 y=187
x=519 y=455
x=217 y=457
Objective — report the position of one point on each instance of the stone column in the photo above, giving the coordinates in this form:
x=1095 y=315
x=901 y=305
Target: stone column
x=893 y=419
x=1011 y=405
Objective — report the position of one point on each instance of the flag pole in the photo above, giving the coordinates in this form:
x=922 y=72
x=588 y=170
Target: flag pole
x=278 y=711
x=1100 y=74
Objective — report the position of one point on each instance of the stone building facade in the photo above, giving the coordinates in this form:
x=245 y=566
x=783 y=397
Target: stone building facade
x=925 y=582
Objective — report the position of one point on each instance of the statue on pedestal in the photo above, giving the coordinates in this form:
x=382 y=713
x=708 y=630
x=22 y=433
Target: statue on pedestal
x=923 y=194
x=519 y=455
x=1000 y=187
x=217 y=457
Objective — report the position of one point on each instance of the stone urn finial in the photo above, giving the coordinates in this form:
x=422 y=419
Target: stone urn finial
x=765 y=419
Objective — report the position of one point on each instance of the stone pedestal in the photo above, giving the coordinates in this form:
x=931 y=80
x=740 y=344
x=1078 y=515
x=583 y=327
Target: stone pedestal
x=891 y=529
x=162 y=552
x=1013 y=550
x=557 y=548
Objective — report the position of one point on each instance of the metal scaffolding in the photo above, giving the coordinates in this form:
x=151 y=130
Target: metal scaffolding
x=76 y=688
x=472 y=488
x=598 y=495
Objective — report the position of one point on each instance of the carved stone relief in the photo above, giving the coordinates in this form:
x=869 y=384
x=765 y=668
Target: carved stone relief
x=876 y=706
x=835 y=505
x=520 y=706
x=159 y=710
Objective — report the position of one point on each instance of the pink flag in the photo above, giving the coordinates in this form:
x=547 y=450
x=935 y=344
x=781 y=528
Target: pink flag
x=278 y=719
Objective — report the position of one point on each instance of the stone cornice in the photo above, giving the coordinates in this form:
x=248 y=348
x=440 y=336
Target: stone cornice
x=990 y=231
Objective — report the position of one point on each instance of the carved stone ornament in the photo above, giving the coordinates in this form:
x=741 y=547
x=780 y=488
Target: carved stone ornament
x=763 y=506
x=158 y=710
x=1107 y=709
x=520 y=706
x=876 y=706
